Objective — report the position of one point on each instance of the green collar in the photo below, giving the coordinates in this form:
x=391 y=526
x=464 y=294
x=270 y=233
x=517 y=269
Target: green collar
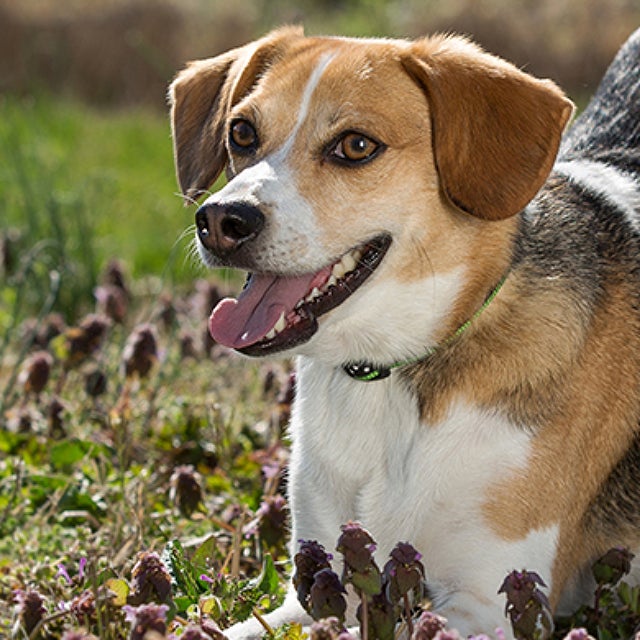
x=367 y=371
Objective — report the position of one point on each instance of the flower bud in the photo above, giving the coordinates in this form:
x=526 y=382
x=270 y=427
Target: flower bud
x=326 y=629
x=614 y=564
x=327 y=596
x=114 y=276
x=150 y=578
x=35 y=372
x=146 y=618
x=141 y=351
x=428 y=626
x=95 y=383
x=360 y=569
x=186 y=492
x=112 y=302
x=30 y=608
x=308 y=561
x=403 y=572
x=272 y=520
x=527 y=606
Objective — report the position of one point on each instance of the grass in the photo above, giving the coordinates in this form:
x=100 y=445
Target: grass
x=81 y=186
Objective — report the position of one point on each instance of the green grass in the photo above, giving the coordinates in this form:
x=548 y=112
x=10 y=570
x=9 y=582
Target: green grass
x=82 y=186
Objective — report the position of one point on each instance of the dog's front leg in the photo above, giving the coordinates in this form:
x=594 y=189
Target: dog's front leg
x=289 y=611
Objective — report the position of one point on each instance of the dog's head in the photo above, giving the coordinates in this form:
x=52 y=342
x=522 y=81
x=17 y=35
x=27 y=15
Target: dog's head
x=371 y=184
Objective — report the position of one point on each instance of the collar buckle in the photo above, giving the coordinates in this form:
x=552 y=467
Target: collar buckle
x=365 y=371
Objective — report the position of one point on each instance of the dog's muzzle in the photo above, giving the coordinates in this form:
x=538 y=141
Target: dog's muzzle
x=224 y=228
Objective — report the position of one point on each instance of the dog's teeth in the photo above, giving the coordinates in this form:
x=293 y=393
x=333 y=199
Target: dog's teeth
x=271 y=335
x=338 y=270
x=348 y=263
x=281 y=324
x=315 y=293
x=356 y=254
x=331 y=282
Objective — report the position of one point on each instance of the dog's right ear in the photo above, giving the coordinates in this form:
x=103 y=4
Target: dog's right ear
x=202 y=95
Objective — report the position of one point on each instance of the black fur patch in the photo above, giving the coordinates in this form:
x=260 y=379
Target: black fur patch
x=615 y=512
x=609 y=129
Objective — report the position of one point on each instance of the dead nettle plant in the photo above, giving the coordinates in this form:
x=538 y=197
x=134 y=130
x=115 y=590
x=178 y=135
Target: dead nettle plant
x=386 y=595
x=394 y=602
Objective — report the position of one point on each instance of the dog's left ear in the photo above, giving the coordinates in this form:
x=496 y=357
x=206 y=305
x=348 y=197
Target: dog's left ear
x=201 y=97
x=496 y=130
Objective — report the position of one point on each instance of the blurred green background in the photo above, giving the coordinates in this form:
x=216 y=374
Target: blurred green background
x=86 y=170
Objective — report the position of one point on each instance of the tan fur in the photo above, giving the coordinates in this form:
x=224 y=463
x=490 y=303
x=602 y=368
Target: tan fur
x=579 y=445
x=496 y=129
x=201 y=97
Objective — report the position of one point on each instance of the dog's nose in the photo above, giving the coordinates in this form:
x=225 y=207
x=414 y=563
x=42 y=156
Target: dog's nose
x=224 y=228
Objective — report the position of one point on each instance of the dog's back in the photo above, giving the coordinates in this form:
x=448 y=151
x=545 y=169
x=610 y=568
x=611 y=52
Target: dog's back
x=608 y=131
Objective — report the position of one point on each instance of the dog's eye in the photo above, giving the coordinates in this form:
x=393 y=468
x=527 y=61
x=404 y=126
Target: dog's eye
x=242 y=135
x=355 y=148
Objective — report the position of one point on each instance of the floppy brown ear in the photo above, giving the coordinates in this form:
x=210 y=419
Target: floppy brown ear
x=496 y=130
x=200 y=98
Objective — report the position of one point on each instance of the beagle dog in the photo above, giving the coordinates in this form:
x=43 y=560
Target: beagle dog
x=460 y=285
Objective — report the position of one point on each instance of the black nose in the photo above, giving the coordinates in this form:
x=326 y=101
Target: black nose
x=224 y=228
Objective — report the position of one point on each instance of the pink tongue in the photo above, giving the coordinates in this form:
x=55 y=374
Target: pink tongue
x=247 y=320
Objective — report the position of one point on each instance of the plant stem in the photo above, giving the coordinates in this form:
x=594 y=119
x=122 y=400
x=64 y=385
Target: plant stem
x=267 y=627
x=407 y=612
x=364 y=625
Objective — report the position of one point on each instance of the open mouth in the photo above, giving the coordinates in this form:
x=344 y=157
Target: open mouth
x=274 y=313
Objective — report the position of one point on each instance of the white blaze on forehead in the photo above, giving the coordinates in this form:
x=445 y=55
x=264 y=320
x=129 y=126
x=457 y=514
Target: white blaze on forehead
x=303 y=111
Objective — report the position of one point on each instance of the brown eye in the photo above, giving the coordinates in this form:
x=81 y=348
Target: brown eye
x=242 y=135
x=355 y=147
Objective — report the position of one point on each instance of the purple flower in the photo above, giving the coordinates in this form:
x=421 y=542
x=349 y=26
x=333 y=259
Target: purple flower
x=326 y=629
x=308 y=561
x=527 y=606
x=83 y=606
x=151 y=580
x=360 y=569
x=403 y=572
x=186 y=490
x=112 y=302
x=614 y=564
x=427 y=626
x=35 y=372
x=272 y=520
x=146 y=617
x=327 y=596
x=140 y=351
x=64 y=573
x=30 y=608
x=578 y=634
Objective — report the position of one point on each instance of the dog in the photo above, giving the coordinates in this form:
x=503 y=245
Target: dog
x=459 y=279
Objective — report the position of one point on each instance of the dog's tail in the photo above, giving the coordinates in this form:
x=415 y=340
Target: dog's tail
x=609 y=128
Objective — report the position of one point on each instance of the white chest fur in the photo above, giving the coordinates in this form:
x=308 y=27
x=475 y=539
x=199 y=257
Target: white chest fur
x=360 y=452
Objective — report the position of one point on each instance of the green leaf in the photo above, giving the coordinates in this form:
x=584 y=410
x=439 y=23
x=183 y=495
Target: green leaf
x=203 y=555
x=210 y=606
x=120 y=590
x=268 y=580
x=182 y=603
x=182 y=572
x=68 y=452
